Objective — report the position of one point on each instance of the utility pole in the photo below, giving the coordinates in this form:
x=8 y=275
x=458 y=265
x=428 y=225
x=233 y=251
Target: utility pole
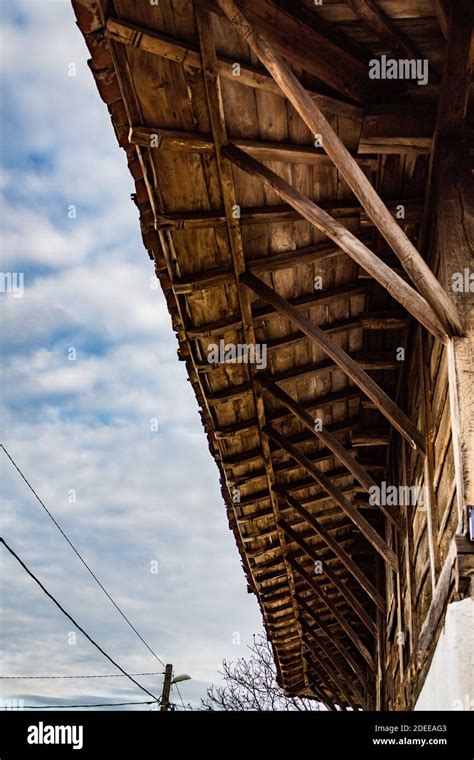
x=165 y=696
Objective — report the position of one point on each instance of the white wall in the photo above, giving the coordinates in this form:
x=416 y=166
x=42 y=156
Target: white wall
x=449 y=684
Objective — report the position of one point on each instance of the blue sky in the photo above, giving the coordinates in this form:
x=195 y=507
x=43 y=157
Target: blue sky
x=84 y=425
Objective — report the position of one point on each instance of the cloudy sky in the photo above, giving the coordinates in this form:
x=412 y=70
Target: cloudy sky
x=80 y=429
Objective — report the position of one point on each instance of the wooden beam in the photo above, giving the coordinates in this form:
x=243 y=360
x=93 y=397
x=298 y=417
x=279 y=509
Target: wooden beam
x=335 y=639
x=339 y=209
x=273 y=263
x=234 y=392
x=373 y=16
x=431 y=505
x=333 y=544
x=345 y=625
x=372 y=437
x=329 y=682
x=165 y=139
x=398 y=288
x=307 y=48
x=320 y=402
x=329 y=440
x=331 y=660
x=367 y=361
x=187 y=54
x=410 y=258
x=196 y=220
x=339 y=680
x=385 y=405
x=158 y=138
x=362 y=524
x=234 y=322
x=441 y=596
x=312 y=553
x=439 y=7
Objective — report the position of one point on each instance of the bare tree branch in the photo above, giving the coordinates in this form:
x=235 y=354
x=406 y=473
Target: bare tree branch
x=251 y=685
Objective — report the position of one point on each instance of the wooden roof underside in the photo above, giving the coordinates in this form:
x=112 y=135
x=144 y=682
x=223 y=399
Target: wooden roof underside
x=167 y=75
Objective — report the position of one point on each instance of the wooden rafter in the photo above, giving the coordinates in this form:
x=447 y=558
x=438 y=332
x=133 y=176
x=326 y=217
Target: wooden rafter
x=410 y=258
x=340 y=680
x=263 y=315
x=341 y=236
x=341 y=619
x=362 y=524
x=200 y=220
x=336 y=669
x=238 y=428
x=167 y=139
x=336 y=640
x=376 y=138
x=385 y=404
x=372 y=15
x=342 y=555
x=330 y=575
x=371 y=363
x=308 y=49
x=332 y=443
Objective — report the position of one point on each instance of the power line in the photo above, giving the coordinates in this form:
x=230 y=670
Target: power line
x=106 y=675
x=97 y=646
x=80 y=556
x=179 y=693
x=68 y=707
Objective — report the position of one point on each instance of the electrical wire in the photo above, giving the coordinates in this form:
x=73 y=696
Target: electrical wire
x=97 y=646
x=179 y=693
x=80 y=556
x=106 y=675
x=67 y=707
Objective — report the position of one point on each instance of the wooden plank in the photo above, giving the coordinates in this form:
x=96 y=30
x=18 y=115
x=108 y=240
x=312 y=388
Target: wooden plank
x=410 y=258
x=341 y=236
x=385 y=405
x=362 y=524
